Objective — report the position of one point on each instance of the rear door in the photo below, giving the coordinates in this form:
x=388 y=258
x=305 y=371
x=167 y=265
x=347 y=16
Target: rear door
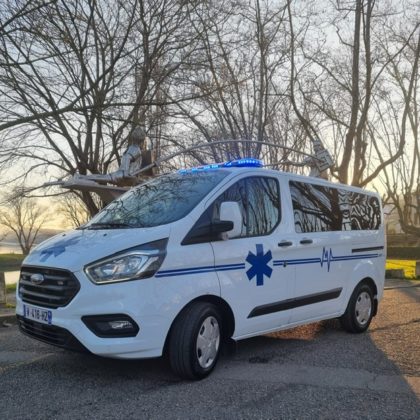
x=324 y=226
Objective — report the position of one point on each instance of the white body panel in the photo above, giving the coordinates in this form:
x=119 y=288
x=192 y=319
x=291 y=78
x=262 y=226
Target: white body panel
x=328 y=264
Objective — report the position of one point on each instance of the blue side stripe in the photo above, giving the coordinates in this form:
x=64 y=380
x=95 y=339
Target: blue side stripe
x=180 y=273
x=298 y=261
x=210 y=267
x=318 y=260
x=241 y=266
x=187 y=269
x=199 y=270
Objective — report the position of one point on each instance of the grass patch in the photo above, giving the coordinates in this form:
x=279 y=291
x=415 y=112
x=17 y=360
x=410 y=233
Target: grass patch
x=409 y=267
x=10 y=262
x=11 y=288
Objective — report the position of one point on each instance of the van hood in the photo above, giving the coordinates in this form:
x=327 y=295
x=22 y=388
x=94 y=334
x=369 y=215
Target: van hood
x=73 y=250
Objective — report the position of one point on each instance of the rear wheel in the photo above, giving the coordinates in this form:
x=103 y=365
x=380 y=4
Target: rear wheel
x=359 y=312
x=195 y=341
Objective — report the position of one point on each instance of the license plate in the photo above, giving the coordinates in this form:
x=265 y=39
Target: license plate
x=37 y=314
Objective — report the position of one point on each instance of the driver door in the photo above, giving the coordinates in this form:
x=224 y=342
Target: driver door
x=250 y=281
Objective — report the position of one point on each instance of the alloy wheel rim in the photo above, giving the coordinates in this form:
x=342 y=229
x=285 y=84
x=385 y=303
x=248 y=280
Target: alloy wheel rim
x=208 y=342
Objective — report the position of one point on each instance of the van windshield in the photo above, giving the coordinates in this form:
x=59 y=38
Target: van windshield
x=160 y=201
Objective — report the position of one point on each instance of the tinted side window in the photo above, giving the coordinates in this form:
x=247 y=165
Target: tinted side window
x=365 y=211
x=313 y=207
x=263 y=205
x=259 y=201
x=237 y=193
x=318 y=208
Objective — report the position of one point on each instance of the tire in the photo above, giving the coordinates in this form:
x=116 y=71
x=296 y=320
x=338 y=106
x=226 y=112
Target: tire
x=195 y=341
x=359 y=312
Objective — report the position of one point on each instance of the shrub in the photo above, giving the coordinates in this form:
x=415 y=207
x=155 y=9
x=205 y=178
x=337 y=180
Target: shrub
x=403 y=253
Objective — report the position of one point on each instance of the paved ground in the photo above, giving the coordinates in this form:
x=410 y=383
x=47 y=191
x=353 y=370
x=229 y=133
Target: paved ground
x=308 y=372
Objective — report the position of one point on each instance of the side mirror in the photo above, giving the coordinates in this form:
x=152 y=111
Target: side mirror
x=230 y=212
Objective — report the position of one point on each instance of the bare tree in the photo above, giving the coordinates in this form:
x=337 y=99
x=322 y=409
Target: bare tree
x=336 y=88
x=73 y=209
x=24 y=217
x=238 y=73
x=10 y=11
x=76 y=75
x=402 y=179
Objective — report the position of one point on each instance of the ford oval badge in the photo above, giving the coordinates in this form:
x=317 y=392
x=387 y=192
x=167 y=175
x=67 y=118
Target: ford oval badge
x=37 y=278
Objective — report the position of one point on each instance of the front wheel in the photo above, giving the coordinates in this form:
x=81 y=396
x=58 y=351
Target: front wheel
x=359 y=312
x=195 y=341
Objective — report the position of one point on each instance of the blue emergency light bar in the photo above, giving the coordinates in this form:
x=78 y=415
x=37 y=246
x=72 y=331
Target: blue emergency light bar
x=237 y=163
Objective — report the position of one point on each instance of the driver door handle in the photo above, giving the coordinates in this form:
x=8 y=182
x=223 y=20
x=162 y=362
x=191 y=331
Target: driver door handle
x=285 y=243
x=306 y=241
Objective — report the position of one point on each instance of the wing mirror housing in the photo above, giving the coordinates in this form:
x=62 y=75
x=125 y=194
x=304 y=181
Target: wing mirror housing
x=230 y=212
x=207 y=232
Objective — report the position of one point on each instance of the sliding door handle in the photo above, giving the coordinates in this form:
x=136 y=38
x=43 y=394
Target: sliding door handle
x=285 y=243
x=306 y=241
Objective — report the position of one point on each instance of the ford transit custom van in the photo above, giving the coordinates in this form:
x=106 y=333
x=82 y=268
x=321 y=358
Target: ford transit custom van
x=188 y=260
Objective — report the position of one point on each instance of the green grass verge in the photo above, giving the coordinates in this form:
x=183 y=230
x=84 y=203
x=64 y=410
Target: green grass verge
x=10 y=262
x=11 y=288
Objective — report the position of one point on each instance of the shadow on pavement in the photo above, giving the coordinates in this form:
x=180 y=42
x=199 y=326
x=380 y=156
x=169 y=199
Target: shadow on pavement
x=316 y=370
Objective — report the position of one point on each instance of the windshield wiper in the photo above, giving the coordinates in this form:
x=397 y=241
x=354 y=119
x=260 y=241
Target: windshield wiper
x=109 y=225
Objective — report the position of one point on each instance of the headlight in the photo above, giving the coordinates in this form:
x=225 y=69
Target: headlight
x=132 y=264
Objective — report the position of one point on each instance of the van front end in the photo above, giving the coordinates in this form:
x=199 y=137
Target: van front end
x=115 y=285
x=77 y=295
x=112 y=320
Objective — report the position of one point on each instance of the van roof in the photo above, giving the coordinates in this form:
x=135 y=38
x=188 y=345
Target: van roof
x=256 y=165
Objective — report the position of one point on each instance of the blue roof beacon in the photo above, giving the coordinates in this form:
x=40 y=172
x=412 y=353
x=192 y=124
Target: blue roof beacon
x=236 y=163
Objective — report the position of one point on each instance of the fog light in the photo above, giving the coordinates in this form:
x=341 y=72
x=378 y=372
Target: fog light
x=120 y=325
x=111 y=326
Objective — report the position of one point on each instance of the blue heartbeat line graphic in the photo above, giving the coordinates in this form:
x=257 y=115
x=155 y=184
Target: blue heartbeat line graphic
x=327 y=258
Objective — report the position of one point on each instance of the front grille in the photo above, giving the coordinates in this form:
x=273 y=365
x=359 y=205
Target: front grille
x=50 y=334
x=57 y=289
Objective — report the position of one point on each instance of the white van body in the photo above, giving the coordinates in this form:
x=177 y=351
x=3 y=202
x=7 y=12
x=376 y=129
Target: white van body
x=300 y=265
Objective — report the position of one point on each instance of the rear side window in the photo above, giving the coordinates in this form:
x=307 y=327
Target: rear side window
x=317 y=208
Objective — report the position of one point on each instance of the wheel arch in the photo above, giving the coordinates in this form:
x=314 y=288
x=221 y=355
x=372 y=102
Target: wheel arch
x=226 y=312
x=367 y=271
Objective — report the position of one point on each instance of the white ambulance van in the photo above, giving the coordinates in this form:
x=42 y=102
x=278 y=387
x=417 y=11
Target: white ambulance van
x=188 y=260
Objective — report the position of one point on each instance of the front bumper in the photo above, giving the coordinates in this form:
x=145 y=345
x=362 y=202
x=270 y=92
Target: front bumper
x=131 y=298
x=50 y=334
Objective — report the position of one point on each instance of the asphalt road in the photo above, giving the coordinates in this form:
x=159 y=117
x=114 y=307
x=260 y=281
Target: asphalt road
x=316 y=371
